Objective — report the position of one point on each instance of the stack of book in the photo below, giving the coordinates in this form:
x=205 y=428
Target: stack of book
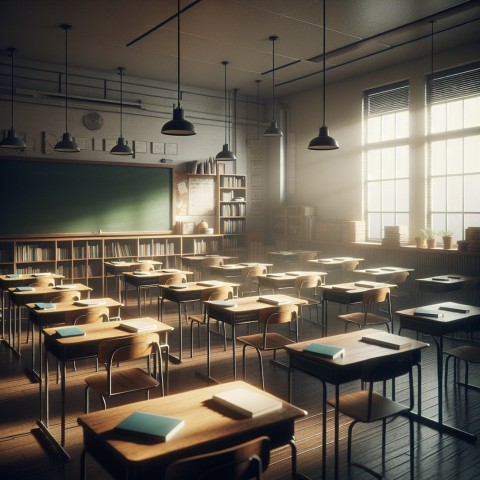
x=395 y=236
x=472 y=236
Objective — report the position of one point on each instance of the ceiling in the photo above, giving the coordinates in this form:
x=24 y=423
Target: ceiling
x=237 y=31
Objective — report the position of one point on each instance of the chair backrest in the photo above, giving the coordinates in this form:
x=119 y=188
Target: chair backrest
x=212 y=261
x=175 y=278
x=43 y=282
x=91 y=315
x=67 y=296
x=145 y=267
x=378 y=295
x=307 y=281
x=350 y=265
x=254 y=271
x=240 y=462
x=222 y=292
x=399 y=277
x=282 y=314
x=127 y=348
x=306 y=256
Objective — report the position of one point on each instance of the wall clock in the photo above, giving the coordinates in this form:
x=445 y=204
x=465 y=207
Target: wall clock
x=92 y=120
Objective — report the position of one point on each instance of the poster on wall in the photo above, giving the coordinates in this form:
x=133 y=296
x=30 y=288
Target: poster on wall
x=201 y=196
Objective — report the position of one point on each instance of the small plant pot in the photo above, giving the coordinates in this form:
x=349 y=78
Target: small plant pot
x=430 y=242
x=447 y=243
x=420 y=242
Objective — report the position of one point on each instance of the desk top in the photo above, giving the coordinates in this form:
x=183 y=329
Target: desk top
x=155 y=274
x=335 y=260
x=290 y=253
x=70 y=307
x=252 y=304
x=449 y=279
x=45 y=293
x=17 y=279
x=354 y=287
x=375 y=272
x=205 y=424
x=201 y=258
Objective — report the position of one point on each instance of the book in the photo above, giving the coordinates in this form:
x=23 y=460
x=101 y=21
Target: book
x=70 y=332
x=150 y=425
x=365 y=284
x=389 y=269
x=427 y=312
x=89 y=302
x=440 y=279
x=327 y=351
x=25 y=289
x=44 y=305
x=388 y=340
x=455 y=277
x=223 y=303
x=246 y=402
x=142 y=272
x=41 y=274
x=14 y=275
x=170 y=270
x=275 y=275
x=294 y=274
x=342 y=288
x=209 y=283
x=454 y=309
x=66 y=286
x=274 y=299
x=373 y=270
x=137 y=325
x=177 y=286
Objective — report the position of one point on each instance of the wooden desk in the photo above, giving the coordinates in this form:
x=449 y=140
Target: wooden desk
x=381 y=272
x=444 y=284
x=290 y=256
x=333 y=263
x=276 y=281
x=190 y=292
x=117 y=268
x=138 y=281
x=197 y=263
x=40 y=294
x=12 y=280
x=56 y=316
x=235 y=269
x=207 y=427
x=74 y=348
x=347 y=297
x=247 y=309
x=342 y=370
x=438 y=328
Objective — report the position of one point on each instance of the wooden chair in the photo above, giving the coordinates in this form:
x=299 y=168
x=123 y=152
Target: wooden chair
x=469 y=355
x=250 y=282
x=240 y=462
x=171 y=280
x=207 y=263
x=367 y=317
x=120 y=381
x=266 y=341
x=66 y=296
x=39 y=282
x=215 y=293
x=305 y=287
x=396 y=293
x=347 y=269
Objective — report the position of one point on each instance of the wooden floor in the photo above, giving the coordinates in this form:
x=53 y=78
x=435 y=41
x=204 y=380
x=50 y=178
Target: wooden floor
x=24 y=453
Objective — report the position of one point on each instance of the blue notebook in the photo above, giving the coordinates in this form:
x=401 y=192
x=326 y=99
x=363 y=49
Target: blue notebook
x=14 y=275
x=70 y=332
x=25 y=289
x=327 y=351
x=44 y=305
x=150 y=425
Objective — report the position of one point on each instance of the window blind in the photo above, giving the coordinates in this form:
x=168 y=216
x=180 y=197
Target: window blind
x=386 y=99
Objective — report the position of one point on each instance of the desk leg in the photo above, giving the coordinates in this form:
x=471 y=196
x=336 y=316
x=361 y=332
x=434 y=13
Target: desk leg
x=62 y=426
x=324 y=316
x=234 y=346
x=337 y=426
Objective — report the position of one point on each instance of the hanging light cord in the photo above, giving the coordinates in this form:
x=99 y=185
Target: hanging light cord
x=12 y=54
x=258 y=103
x=66 y=28
x=324 y=52
x=431 y=66
x=178 y=53
x=273 y=38
x=120 y=72
x=225 y=63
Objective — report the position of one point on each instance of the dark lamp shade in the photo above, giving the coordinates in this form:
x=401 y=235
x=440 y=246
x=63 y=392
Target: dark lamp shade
x=121 y=148
x=178 y=125
x=273 y=130
x=12 y=141
x=323 y=141
x=225 y=155
x=66 y=144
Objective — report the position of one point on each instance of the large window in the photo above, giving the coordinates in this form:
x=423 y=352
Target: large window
x=386 y=158
x=453 y=173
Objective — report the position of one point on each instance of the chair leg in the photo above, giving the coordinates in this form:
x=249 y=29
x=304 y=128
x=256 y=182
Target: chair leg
x=384 y=441
x=260 y=360
x=87 y=399
x=412 y=448
x=244 y=362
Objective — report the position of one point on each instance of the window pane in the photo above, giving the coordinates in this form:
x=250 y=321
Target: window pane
x=402 y=125
x=374 y=226
x=455 y=115
x=438 y=221
x=374 y=196
x=388 y=220
x=471 y=149
x=402 y=219
x=471 y=107
x=438 y=118
x=455 y=194
x=472 y=185
x=388 y=196
x=388 y=163
x=472 y=220
x=455 y=223
x=455 y=156
x=438 y=158
x=374 y=164
x=374 y=129
x=403 y=163
x=388 y=127
x=402 y=196
x=439 y=200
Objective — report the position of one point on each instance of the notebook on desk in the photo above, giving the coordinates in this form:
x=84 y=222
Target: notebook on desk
x=247 y=402
x=150 y=425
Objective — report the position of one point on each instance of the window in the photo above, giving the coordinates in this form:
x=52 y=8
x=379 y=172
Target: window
x=453 y=168
x=386 y=158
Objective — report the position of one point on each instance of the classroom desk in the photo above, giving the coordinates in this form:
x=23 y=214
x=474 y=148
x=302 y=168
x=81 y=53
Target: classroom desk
x=198 y=263
x=246 y=309
x=154 y=278
x=333 y=263
x=235 y=269
x=445 y=284
x=291 y=256
x=39 y=294
x=55 y=316
x=75 y=348
x=354 y=294
x=439 y=327
x=189 y=292
x=116 y=268
x=342 y=370
x=276 y=281
x=207 y=428
x=381 y=272
x=12 y=280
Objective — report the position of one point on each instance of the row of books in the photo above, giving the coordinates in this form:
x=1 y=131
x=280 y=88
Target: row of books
x=157 y=249
x=233 y=210
x=231 y=196
x=205 y=167
x=233 y=226
x=118 y=249
x=395 y=236
x=232 y=182
x=201 y=246
x=34 y=253
x=232 y=243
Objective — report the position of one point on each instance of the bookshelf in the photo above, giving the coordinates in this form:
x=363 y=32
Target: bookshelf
x=231 y=215
x=292 y=222
x=81 y=258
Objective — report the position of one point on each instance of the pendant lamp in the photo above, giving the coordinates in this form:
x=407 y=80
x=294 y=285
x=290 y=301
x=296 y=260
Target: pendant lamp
x=273 y=130
x=121 y=148
x=178 y=125
x=11 y=140
x=323 y=141
x=225 y=155
x=66 y=144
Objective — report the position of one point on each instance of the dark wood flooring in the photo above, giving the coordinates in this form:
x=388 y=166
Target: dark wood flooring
x=24 y=453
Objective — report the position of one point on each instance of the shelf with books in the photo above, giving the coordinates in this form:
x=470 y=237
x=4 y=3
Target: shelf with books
x=124 y=248
x=202 y=244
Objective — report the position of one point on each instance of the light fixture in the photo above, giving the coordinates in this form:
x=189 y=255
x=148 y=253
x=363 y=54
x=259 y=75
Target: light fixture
x=11 y=140
x=178 y=125
x=121 y=148
x=273 y=130
x=225 y=155
x=323 y=141
x=66 y=144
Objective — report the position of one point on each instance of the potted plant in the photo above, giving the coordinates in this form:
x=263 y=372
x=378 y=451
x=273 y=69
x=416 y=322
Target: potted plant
x=447 y=236
x=430 y=236
x=420 y=239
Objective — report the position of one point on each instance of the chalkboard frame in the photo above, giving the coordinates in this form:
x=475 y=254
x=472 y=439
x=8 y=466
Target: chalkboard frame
x=41 y=196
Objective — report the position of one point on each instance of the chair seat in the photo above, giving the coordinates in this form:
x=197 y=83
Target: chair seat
x=355 y=405
x=199 y=318
x=123 y=381
x=469 y=353
x=274 y=341
x=359 y=318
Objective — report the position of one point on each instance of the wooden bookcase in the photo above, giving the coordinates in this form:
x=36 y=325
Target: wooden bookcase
x=80 y=258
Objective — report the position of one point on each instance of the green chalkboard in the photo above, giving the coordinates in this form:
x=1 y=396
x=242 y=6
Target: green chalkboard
x=70 y=197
